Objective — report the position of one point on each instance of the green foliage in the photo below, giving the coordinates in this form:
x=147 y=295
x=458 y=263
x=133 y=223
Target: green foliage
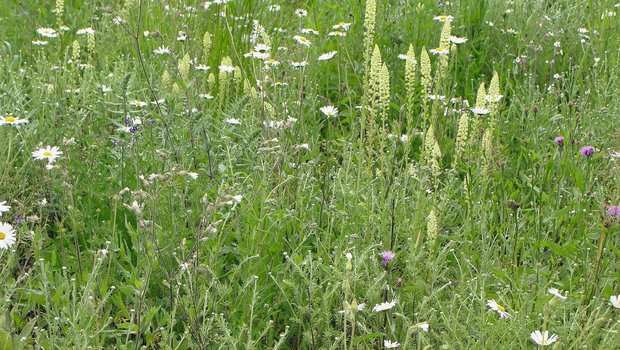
x=216 y=208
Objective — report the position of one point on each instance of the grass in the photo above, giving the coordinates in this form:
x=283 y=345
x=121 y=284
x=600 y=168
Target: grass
x=197 y=209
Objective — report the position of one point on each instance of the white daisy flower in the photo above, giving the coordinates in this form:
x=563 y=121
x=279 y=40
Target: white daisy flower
x=104 y=89
x=424 y=326
x=329 y=111
x=7 y=235
x=498 y=308
x=162 y=50
x=443 y=18
x=390 y=345
x=39 y=42
x=9 y=119
x=88 y=30
x=202 y=67
x=258 y=55
x=615 y=301
x=227 y=69
x=457 y=40
x=138 y=103
x=4 y=208
x=272 y=62
x=306 y=147
x=262 y=48
x=181 y=36
x=480 y=110
x=49 y=153
x=47 y=32
x=302 y=40
x=299 y=64
x=301 y=13
x=337 y=33
x=556 y=293
x=439 y=51
x=437 y=97
x=542 y=338
x=342 y=25
x=384 y=306
x=493 y=98
x=327 y=56
x=309 y=31
x=233 y=121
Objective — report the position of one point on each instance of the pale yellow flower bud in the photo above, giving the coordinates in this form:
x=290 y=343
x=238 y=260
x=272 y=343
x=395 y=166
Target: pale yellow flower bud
x=76 y=52
x=369 y=31
x=462 y=136
x=184 y=66
x=432 y=227
x=206 y=45
x=426 y=78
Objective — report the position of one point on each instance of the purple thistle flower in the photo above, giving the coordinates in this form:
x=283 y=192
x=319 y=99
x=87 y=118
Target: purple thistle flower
x=387 y=256
x=613 y=211
x=399 y=281
x=559 y=141
x=587 y=151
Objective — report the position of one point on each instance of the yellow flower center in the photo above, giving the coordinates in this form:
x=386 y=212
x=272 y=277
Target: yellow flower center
x=442 y=18
x=501 y=308
x=47 y=153
x=2 y=236
x=10 y=119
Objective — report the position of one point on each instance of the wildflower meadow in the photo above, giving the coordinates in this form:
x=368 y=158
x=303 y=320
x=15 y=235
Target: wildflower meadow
x=321 y=174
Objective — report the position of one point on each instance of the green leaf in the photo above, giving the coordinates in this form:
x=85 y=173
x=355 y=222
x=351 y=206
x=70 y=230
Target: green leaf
x=366 y=337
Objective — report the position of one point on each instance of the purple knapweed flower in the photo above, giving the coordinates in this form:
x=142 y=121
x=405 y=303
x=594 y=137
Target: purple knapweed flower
x=387 y=256
x=587 y=151
x=399 y=282
x=613 y=211
x=559 y=141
